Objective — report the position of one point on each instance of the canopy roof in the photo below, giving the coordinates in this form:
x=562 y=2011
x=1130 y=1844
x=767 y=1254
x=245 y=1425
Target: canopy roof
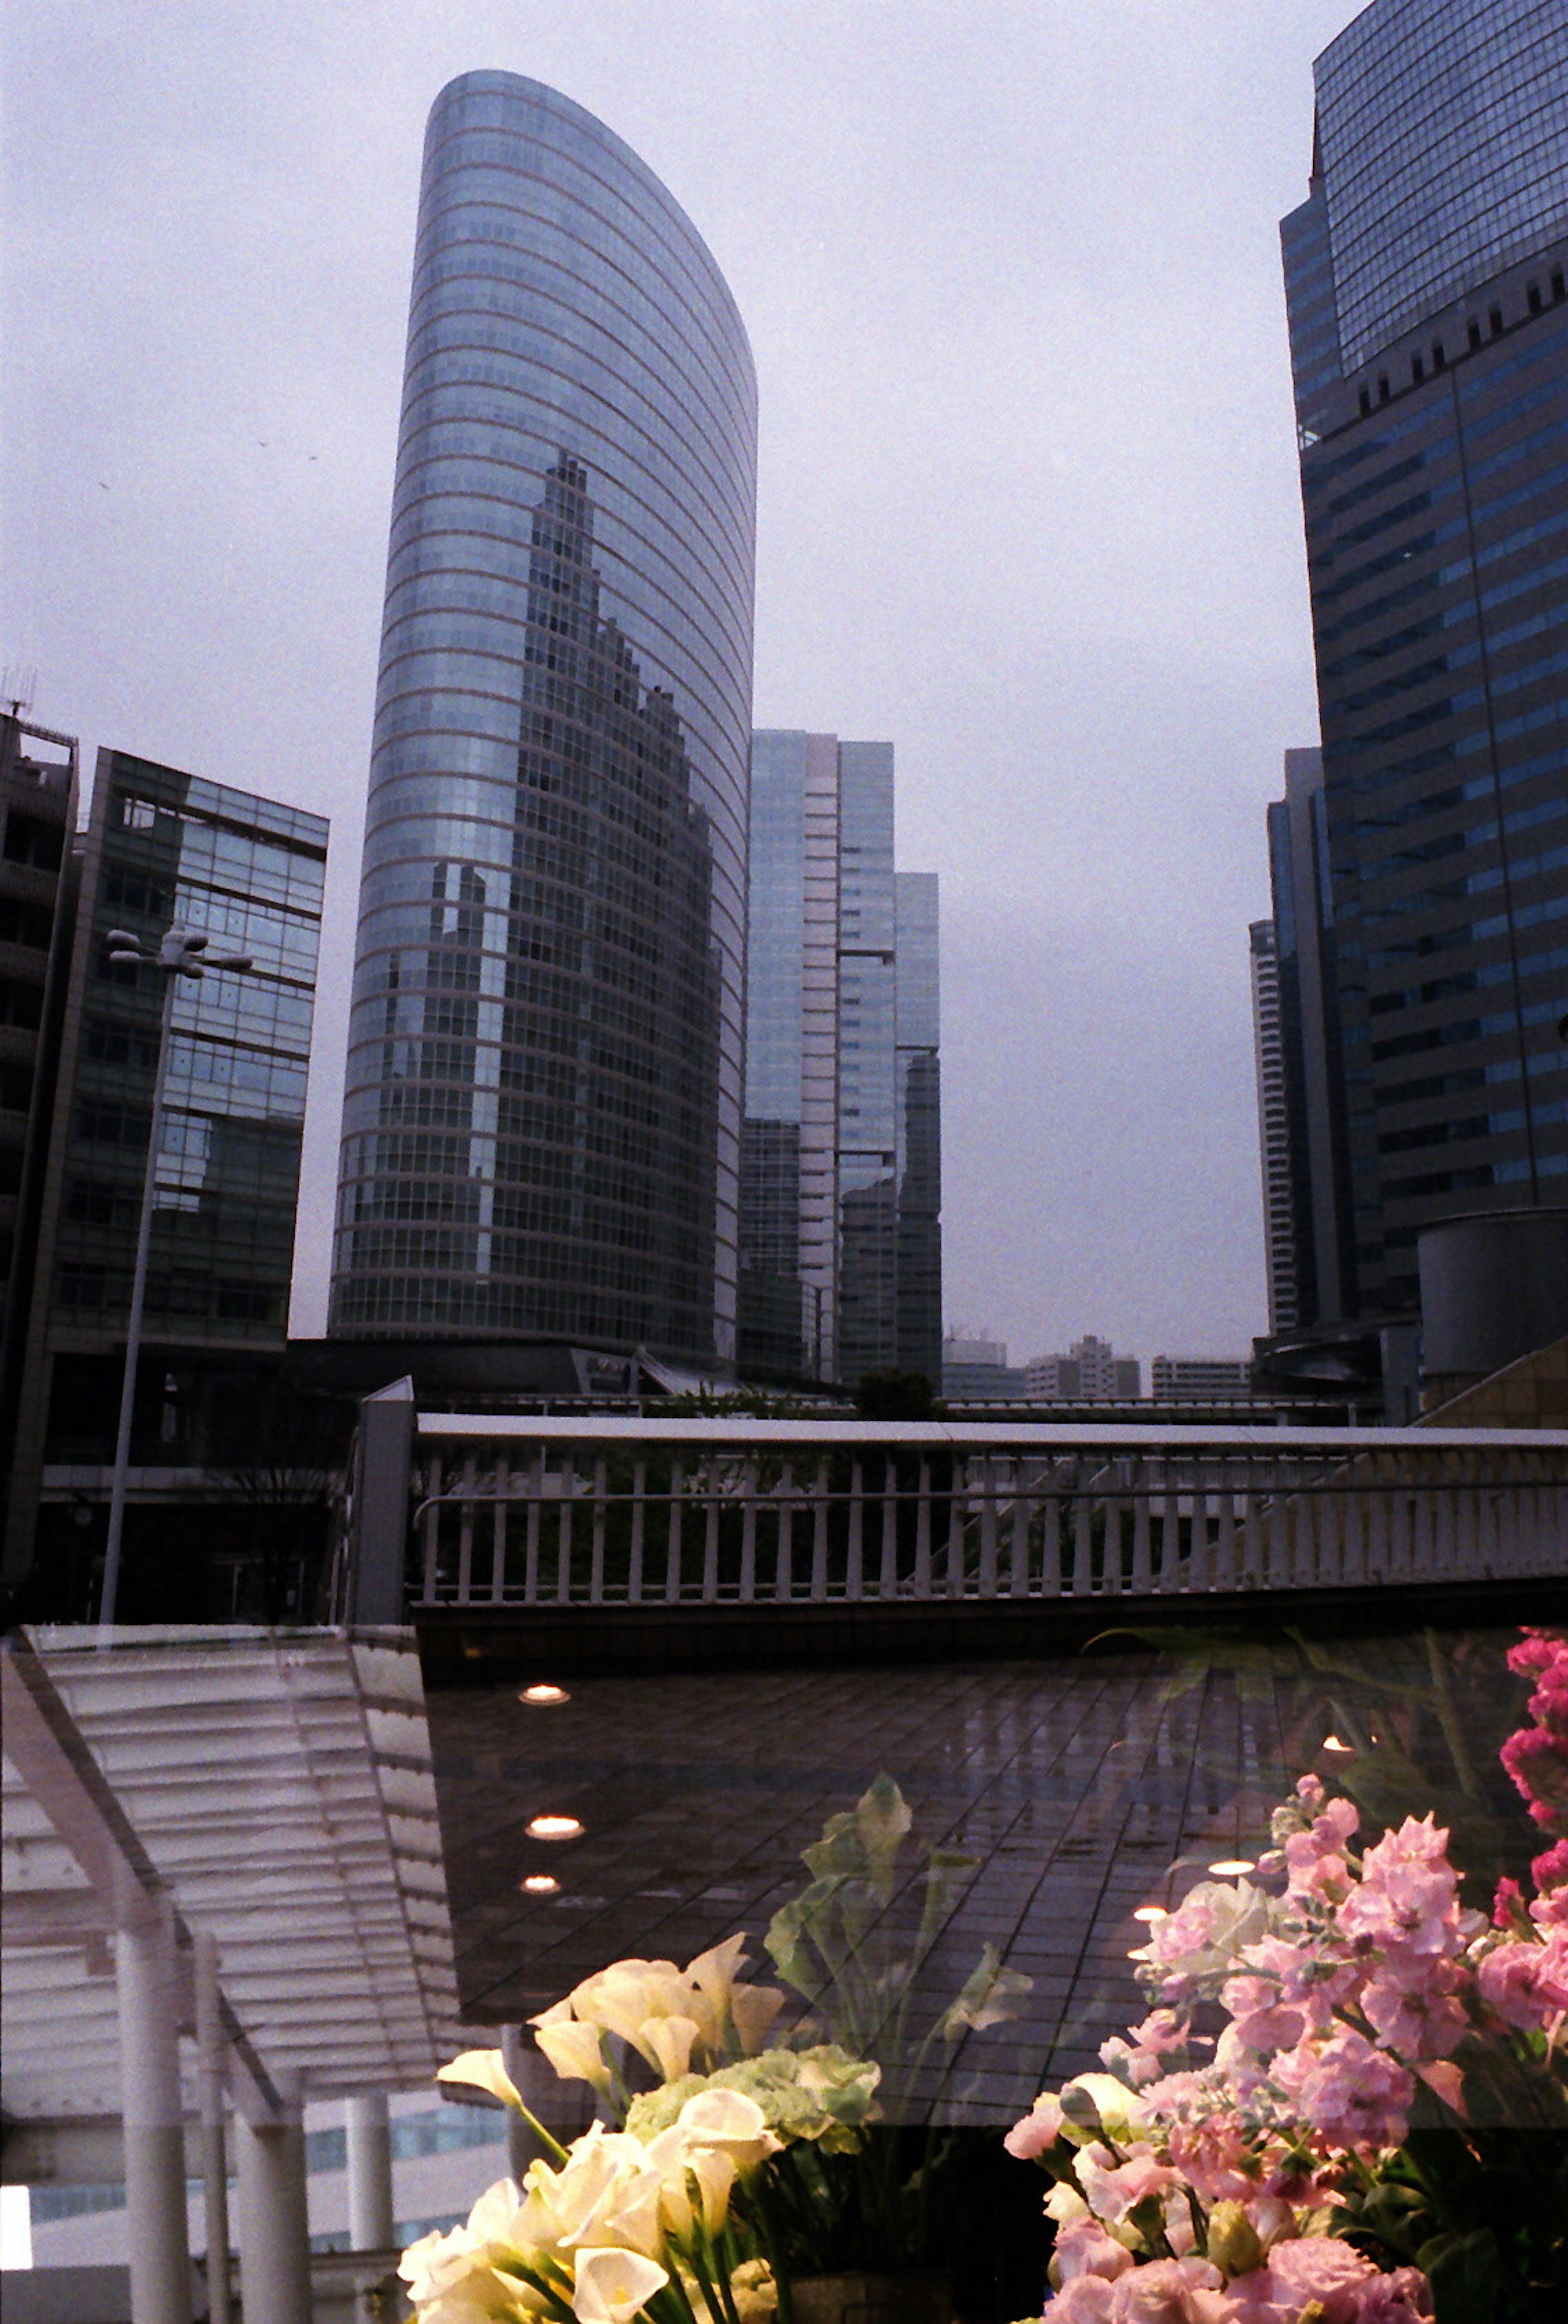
x=275 y=1787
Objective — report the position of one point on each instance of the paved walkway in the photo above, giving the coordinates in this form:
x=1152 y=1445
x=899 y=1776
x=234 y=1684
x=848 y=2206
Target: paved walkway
x=1080 y=1789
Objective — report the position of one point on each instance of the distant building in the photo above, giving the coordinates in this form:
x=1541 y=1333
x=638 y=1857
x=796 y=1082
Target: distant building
x=1426 y=285
x=166 y=849
x=37 y=816
x=1299 y=1058
x=841 y=1249
x=1091 y=1372
x=976 y=1370
x=1201 y=1379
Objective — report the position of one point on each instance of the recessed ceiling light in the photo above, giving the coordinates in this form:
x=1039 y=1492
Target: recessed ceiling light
x=1333 y=1743
x=554 y=1827
x=542 y=1696
x=542 y=1883
x=1151 y=1913
x=1234 y=1863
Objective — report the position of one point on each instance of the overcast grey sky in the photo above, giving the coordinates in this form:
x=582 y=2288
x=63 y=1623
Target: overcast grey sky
x=1028 y=502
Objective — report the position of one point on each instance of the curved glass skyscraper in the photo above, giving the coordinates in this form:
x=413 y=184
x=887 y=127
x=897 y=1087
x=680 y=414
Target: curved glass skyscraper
x=541 y=1125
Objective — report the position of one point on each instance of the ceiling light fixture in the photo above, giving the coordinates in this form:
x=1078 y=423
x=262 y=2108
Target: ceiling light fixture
x=1333 y=1743
x=1151 y=1913
x=554 y=1827
x=542 y=1883
x=1234 y=1864
x=543 y=1697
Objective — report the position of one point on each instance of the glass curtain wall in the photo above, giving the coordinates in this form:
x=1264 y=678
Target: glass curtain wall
x=542 y=1116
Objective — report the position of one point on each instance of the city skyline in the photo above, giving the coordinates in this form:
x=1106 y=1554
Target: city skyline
x=1082 y=761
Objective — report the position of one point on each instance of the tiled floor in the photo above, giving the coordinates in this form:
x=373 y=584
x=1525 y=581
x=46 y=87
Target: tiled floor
x=1081 y=1790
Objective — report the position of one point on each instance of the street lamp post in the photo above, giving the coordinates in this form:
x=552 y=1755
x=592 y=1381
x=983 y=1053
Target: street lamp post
x=180 y=953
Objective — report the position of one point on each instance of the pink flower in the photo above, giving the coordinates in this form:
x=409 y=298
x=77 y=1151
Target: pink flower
x=1112 y=2188
x=1211 y=2157
x=1417 y=2012
x=1086 y=2300
x=1508 y=1903
x=1525 y=1984
x=1262 y=2021
x=1143 y=2055
x=1320 y=2268
x=1535 y=1759
x=1408 y=1895
x=1083 y=2247
x=1534 y=1652
x=1040 y=2128
x=1404 y=2297
x=1169 y=2292
x=1551 y=1871
x=1353 y=2094
x=1314 y=1871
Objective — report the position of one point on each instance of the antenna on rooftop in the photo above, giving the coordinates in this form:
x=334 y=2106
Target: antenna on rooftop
x=17 y=688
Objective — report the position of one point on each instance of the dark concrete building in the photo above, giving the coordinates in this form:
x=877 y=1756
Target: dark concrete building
x=166 y=849
x=541 y=1123
x=1427 y=286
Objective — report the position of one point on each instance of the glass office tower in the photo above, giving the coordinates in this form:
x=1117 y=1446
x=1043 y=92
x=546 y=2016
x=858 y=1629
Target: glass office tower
x=841 y=1190
x=542 y=1117
x=164 y=849
x=1425 y=283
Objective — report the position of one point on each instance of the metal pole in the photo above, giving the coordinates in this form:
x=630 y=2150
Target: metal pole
x=210 y=2038
x=151 y=2110
x=111 y=1588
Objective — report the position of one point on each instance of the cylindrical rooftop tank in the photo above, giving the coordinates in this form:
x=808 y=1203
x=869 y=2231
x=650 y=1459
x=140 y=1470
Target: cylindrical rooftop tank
x=1494 y=1286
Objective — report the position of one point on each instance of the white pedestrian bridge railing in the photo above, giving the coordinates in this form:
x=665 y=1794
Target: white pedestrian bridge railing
x=549 y=1511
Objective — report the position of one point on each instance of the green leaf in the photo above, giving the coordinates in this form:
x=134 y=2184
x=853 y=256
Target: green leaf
x=1463 y=2272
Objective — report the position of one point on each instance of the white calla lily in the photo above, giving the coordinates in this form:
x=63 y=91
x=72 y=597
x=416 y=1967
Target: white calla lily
x=574 y=2049
x=481 y=2070
x=733 y=2123
x=612 y=2286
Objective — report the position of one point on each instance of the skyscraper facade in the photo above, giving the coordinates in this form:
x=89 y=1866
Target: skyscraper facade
x=38 y=812
x=542 y=1116
x=1428 y=313
x=1295 y=1023
x=841 y=1182
x=165 y=849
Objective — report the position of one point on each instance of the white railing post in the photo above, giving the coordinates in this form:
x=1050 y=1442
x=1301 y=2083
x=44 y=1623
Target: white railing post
x=638 y=1519
x=672 y=1539
x=748 y=1530
x=596 y=1549
x=819 y=1537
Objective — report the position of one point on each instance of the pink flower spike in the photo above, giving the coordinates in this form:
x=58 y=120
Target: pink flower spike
x=1508 y=1903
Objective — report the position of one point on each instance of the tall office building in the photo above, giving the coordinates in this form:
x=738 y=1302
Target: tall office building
x=1428 y=308
x=841 y=1249
x=38 y=812
x=1296 y=1037
x=1279 y=1252
x=542 y=1117
x=165 y=849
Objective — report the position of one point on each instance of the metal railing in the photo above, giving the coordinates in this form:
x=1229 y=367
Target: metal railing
x=542 y=1511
